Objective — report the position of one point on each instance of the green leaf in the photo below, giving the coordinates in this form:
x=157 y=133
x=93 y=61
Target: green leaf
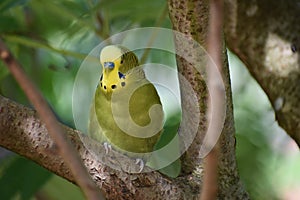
x=21 y=177
x=165 y=157
x=7 y=4
x=51 y=17
x=133 y=10
x=9 y=24
x=41 y=45
x=3 y=71
x=59 y=188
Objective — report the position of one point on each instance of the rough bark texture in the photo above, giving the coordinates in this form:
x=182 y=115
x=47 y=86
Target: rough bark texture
x=191 y=18
x=266 y=37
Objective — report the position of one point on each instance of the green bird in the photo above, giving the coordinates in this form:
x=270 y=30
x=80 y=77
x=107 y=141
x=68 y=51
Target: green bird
x=126 y=112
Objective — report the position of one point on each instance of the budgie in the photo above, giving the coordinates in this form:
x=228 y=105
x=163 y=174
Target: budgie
x=126 y=106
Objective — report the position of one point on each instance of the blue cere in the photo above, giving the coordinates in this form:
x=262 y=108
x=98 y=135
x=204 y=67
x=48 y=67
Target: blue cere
x=109 y=65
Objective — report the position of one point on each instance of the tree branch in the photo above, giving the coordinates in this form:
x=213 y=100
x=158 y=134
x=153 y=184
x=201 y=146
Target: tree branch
x=191 y=18
x=265 y=36
x=217 y=98
x=22 y=132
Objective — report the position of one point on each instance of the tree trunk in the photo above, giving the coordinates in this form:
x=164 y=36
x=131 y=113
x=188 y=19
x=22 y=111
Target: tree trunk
x=265 y=36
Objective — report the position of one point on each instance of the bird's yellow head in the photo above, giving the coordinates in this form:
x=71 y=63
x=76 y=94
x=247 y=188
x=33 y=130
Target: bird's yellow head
x=116 y=61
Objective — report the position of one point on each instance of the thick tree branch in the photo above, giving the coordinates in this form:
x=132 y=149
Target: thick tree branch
x=183 y=15
x=265 y=36
x=22 y=131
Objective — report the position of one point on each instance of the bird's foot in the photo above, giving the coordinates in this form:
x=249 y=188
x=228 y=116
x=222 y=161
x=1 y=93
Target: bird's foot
x=141 y=164
x=107 y=147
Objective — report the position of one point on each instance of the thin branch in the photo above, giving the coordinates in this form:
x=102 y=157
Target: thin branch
x=64 y=147
x=214 y=48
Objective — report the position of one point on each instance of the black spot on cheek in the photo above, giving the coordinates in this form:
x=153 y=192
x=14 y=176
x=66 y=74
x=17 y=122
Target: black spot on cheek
x=123 y=84
x=294 y=48
x=104 y=87
x=121 y=75
x=121 y=62
x=113 y=87
x=100 y=84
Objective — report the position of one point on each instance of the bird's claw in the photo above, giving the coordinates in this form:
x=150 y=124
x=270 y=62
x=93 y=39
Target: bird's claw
x=141 y=164
x=107 y=147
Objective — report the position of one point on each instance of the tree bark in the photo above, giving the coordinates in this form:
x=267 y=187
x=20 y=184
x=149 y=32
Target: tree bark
x=191 y=18
x=265 y=36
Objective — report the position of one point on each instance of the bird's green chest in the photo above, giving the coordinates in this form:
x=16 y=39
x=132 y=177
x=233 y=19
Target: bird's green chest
x=124 y=116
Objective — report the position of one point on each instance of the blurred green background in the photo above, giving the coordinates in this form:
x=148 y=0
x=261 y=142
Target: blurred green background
x=51 y=38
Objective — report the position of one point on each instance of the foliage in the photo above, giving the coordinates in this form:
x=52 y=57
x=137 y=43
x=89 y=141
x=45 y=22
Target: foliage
x=20 y=178
x=262 y=146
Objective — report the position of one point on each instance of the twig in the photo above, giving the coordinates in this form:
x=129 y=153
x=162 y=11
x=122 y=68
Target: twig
x=214 y=48
x=64 y=146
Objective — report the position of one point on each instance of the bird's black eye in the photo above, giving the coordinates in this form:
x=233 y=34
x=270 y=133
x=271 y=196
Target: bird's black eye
x=121 y=62
x=113 y=87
